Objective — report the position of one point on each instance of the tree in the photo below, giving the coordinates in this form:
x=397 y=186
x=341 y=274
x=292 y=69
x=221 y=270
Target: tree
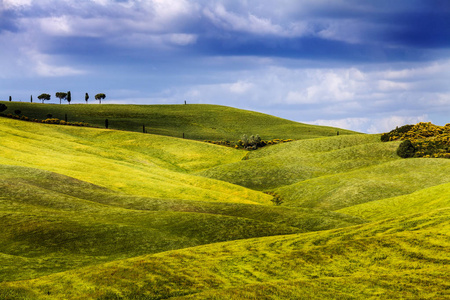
x=99 y=97
x=69 y=97
x=61 y=96
x=3 y=107
x=244 y=139
x=86 y=97
x=43 y=97
x=10 y=98
x=31 y=98
x=406 y=149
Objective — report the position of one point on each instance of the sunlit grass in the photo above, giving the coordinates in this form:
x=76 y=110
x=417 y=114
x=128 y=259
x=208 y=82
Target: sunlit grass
x=289 y=163
x=402 y=258
x=105 y=214
x=427 y=199
x=139 y=164
x=51 y=223
x=196 y=121
x=396 y=178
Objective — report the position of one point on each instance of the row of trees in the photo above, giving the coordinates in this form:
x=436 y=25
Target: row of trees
x=65 y=96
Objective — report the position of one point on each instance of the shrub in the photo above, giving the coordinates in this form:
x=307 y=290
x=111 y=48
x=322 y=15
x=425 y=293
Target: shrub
x=406 y=149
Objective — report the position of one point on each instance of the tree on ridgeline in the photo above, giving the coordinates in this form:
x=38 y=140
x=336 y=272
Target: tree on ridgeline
x=86 y=97
x=44 y=97
x=10 y=98
x=31 y=98
x=69 y=97
x=61 y=96
x=99 y=97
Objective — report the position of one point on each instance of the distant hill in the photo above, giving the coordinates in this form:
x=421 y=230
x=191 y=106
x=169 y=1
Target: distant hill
x=196 y=121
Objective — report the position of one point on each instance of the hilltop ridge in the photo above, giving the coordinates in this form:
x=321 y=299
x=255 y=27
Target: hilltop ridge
x=195 y=121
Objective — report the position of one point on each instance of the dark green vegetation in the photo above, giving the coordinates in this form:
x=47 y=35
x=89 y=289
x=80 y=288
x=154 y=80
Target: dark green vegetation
x=90 y=213
x=197 y=122
x=421 y=140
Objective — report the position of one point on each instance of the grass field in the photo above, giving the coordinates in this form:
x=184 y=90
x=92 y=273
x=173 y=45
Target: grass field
x=196 y=121
x=402 y=258
x=90 y=213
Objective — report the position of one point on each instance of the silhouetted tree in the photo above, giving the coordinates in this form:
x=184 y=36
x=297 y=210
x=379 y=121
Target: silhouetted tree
x=31 y=98
x=99 y=97
x=10 y=98
x=61 y=96
x=86 y=97
x=69 y=97
x=43 y=97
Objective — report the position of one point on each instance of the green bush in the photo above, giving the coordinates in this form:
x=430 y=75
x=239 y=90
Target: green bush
x=406 y=149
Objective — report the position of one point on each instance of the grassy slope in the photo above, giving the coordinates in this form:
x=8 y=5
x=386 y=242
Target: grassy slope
x=427 y=199
x=54 y=227
x=288 y=163
x=198 y=122
x=386 y=180
x=402 y=258
x=52 y=223
x=134 y=163
x=333 y=173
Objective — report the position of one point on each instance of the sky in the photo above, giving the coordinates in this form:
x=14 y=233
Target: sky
x=367 y=66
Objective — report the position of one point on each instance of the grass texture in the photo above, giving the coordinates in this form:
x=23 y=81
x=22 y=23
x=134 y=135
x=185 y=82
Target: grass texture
x=196 y=121
x=402 y=258
x=89 y=213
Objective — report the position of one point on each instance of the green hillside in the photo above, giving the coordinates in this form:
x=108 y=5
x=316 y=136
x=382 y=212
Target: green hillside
x=196 y=121
x=138 y=164
x=387 y=180
x=427 y=199
x=137 y=188
x=94 y=213
x=403 y=258
x=288 y=163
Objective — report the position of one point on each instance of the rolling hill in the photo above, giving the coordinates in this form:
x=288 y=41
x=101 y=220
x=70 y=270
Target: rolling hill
x=401 y=258
x=196 y=121
x=91 y=213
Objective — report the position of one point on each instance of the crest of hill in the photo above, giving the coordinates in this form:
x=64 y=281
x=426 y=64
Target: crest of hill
x=196 y=121
x=401 y=258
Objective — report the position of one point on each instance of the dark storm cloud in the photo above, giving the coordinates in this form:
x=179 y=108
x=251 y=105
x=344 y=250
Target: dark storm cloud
x=363 y=65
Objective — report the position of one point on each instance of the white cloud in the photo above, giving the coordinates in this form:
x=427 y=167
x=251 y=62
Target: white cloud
x=46 y=65
x=14 y=4
x=372 y=125
x=182 y=39
x=240 y=87
x=223 y=18
x=389 y=123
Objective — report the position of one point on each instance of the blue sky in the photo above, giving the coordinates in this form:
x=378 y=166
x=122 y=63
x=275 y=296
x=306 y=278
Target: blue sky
x=362 y=65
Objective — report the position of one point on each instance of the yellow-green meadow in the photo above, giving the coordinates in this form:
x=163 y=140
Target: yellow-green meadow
x=96 y=213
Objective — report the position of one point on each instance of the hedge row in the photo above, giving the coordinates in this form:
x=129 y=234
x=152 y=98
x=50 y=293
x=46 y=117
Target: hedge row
x=46 y=121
